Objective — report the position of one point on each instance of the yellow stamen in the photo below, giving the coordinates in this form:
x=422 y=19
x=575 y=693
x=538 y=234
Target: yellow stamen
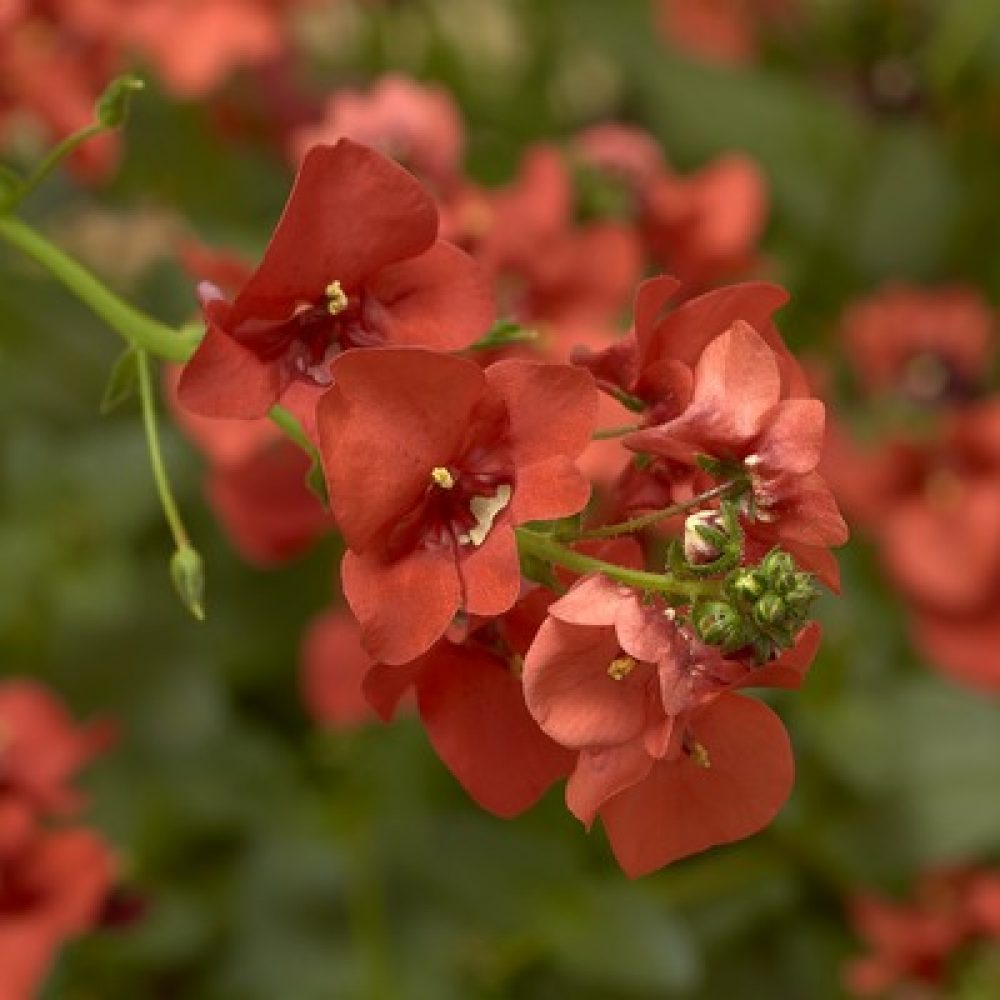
x=699 y=755
x=442 y=477
x=619 y=669
x=336 y=298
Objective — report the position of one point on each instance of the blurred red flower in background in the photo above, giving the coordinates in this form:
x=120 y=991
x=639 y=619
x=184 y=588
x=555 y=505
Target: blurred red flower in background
x=913 y=941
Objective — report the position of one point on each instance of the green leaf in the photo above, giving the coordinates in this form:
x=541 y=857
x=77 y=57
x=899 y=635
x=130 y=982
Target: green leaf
x=121 y=382
x=504 y=332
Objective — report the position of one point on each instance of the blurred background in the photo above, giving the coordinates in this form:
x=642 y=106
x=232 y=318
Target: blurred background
x=264 y=856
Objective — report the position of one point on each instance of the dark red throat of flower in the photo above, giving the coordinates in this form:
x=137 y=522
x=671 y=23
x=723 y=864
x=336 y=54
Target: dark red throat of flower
x=311 y=336
x=464 y=497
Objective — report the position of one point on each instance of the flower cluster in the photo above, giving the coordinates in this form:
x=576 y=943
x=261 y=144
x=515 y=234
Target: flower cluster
x=54 y=879
x=55 y=58
x=544 y=628
x=945 y=936
x=927 y=488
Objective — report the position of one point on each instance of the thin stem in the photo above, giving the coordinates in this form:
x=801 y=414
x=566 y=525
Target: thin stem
x=170 y=510
x=48 y=164
x=287 y=422
x=645 y=520
x=604 y=433
x=551 y=551
x=136 y=327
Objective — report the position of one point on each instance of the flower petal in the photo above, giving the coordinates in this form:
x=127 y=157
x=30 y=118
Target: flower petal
x=224 y=379
x=392 y=415
x=682 y=808
x=571 y=694
x=552 y=407
x=473 y=708
x=351 y=212
x=441 y=299
x=601 y=773
x=405 y=606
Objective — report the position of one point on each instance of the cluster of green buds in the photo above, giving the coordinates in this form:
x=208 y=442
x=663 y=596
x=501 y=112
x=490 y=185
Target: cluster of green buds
x=761 y=607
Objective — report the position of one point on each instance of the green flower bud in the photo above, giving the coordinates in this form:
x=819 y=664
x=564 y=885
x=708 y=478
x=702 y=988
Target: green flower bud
x=778 y=571
x=112 y=106
x=188 y=572
x=770 y=611
x=746 y=585
x=718 y=623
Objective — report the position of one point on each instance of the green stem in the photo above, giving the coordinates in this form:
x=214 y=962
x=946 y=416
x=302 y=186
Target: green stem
x=136 y=327
x=170 y=510
x=604 y=433
x=551 y=551
x=287 y=422
x=48 y=164
x=645 y=520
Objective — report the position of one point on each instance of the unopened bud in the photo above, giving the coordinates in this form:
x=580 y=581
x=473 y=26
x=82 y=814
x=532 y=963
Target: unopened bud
x=703 y=537
x=188 y=573
x=746 y=585
x=717 y=623
x=778 y=569
x=112 y=106
x=770 y=610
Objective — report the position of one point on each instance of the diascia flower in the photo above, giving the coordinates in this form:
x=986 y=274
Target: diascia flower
x=912 y=942
x=430 y=463
x=712 y=378
x=933 y=506
x=668 y=756
x=739 y=412
x=927 y=345
x=419 y=125
x=52 y=887
x=353 y=262
x=42 y=749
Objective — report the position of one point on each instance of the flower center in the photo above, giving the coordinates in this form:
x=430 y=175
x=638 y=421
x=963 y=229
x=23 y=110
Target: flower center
x=621 y=667
x=698 y=753
x=441 y=476
x=336 y=298
x=310 y=335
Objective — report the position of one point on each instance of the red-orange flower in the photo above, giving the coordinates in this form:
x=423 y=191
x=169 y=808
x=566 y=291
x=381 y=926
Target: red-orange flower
x=930 y=346
x=354 y=262
x=42 y=748
x=419 y=125
x=612 y=676
x=52 y=888
x=430 y=463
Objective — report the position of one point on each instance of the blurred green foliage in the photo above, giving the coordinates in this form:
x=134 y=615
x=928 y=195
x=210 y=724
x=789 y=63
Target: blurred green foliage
x=278 y=862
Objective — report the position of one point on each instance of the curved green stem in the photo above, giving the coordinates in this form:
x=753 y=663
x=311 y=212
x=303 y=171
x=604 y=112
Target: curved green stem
x=147 y=402
x=546 y=548
x=52 y=159
x=645 y=520
x=136 y=327
x=292 y=429
x=604 y=433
